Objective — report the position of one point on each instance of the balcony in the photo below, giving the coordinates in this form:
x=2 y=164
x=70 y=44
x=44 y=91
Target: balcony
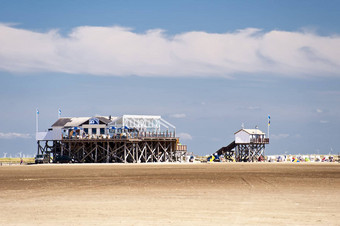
x=259 y=141
x=181 y=148
x=119 y=136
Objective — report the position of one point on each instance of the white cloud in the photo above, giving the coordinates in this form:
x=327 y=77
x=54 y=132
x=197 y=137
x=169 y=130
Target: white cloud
x=14 y=135
x=297 y=136
x=252 y=108
x=319 y=110
x=279 y=136
x=120 y=51
x=179 y=115
x=184 y=136
x=324 y=121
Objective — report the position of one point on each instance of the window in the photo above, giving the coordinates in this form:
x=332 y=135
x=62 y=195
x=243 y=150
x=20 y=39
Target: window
x=86 y=130
x=102 y=130
x=94 y=130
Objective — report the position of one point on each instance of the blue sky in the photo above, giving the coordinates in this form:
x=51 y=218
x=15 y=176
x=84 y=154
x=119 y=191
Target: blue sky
x=205 y=66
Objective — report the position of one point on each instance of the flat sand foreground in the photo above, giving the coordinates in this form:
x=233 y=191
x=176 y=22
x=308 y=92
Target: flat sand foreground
x=179 y=194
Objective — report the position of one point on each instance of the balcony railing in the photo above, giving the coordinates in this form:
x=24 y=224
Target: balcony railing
x=181 y=148
x=259 y=140
x=125 y=135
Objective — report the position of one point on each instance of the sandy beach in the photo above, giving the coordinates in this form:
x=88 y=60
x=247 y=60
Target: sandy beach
x=178 y=194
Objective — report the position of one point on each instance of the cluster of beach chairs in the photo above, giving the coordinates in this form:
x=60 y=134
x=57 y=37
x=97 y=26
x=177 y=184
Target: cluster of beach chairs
x=301 y=158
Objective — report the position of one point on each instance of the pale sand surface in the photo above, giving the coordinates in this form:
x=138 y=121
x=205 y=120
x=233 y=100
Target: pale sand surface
x=178 y=194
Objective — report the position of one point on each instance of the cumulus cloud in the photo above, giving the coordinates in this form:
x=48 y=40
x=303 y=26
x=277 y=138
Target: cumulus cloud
x=120 y=51
x=14 y=135
x=184 y=136
x=179 y=115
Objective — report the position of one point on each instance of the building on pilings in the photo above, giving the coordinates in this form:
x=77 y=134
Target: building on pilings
x=101 y=139
x=248 y=146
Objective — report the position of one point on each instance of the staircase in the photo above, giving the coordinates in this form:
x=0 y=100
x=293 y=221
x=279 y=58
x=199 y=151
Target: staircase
x=227 y=151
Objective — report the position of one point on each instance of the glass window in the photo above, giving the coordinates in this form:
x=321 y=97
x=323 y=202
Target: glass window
x=86 y=130
x=102 y=130
x=94 y=130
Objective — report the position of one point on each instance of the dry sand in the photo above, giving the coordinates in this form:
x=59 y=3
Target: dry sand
x=179 y=194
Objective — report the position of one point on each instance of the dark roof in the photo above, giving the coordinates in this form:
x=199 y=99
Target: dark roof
x=78 y=121
x=61 y=122
x=104 y=119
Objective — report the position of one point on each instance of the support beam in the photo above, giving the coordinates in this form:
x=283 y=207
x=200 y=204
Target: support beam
x=96 y=153
x=125 y=153
x=107 y=152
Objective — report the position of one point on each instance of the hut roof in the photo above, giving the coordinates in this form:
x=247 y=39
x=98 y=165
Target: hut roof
x=70 y=122
x=251 y=131
x=78 y=121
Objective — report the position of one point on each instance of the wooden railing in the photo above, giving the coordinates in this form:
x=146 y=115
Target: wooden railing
x=260 y=140
x=124 y=135
x=181 y=148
